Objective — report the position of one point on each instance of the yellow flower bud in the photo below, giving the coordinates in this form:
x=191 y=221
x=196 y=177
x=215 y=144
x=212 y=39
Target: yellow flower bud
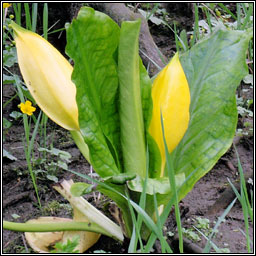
x=47 y=75
x=217 y=12
x=170 y=94
x=11 y=16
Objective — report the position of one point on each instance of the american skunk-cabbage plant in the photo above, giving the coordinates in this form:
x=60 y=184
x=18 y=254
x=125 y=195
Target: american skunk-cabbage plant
x=113 y=109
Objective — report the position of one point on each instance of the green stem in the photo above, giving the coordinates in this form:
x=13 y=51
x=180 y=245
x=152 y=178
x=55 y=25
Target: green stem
x=29 y=144
x=77 y=137
x=54 y=227
x=12 y=98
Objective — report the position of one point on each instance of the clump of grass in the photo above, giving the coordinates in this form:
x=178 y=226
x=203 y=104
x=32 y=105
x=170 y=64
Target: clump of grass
x=243 y=198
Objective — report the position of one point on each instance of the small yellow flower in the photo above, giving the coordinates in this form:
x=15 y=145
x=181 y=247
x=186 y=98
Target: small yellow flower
x=27 y=108
x=6 y=5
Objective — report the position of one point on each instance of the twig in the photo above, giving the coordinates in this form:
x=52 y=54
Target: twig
x=25 y=244
x=227 y=196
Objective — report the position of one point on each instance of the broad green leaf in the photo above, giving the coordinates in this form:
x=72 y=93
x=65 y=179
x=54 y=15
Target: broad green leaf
x=131 y=116
x=155 y=185
x=92 y=41
x=214 y=68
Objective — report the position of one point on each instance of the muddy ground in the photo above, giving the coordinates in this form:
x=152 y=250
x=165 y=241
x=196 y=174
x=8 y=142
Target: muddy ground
x=20 y=203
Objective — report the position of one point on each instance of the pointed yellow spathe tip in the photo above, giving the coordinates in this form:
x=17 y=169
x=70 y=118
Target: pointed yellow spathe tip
x=170 y=94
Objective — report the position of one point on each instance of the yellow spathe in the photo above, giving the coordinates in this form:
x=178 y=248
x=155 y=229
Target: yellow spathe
x=47 y=75
x=170 y=94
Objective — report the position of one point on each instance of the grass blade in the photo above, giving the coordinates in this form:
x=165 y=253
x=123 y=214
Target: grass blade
x=215 y=247
x=55 y=31
x=243 y=185
x=29 y=144
x=45 y=21
x=158 y=67
x=34 y=16
x=251 y=242
x=28 y=17
x=28 y=158
x=238 y=11
x=220 y=219
x=133 y=244
x=142 y=202
x=171 y=174
x=208 y=18
x=176 y=38
x=164 y=245
x=152 y=11
x=196 y=27
x=135 y=226
x=246 y=20
x=247 y=210
x=223 y=7
x=17 y=11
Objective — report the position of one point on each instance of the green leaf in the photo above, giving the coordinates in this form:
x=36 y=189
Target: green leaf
x=121 y=178
x=9 y=155
x=9 y=57
x=15 y=216
x=248 y=79
x=6 y=123
x=214 y=68
x=52 y=178
x=15 y=115
x=131 y=116
x=68 y=247
x=81 y=188
x=155 y=185
x=8 y=79
x=92 y=41
x=64 y=155
x=183 y=39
